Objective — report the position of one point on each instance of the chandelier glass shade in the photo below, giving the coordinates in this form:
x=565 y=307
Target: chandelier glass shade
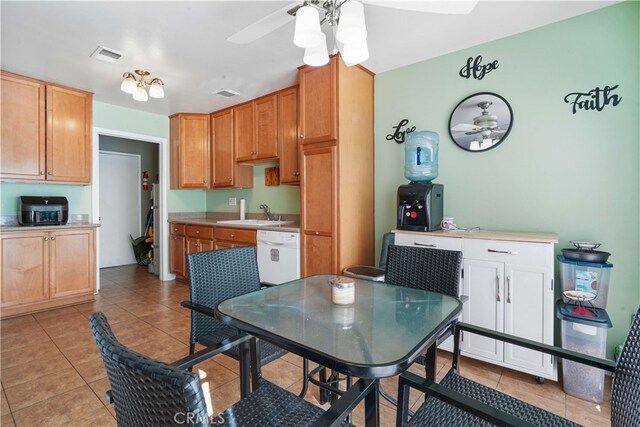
x=351 y=33
x=136 y=86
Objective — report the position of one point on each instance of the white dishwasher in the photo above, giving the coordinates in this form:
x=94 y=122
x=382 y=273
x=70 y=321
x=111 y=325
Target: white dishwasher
x=278 y=256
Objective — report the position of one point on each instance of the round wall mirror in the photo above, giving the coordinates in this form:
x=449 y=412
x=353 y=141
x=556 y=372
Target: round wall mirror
x=480 y=122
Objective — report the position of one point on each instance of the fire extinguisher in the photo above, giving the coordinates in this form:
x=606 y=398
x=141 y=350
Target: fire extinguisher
x=145 y=180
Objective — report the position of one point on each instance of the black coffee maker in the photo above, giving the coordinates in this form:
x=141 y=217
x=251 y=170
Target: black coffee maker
x=420 y=206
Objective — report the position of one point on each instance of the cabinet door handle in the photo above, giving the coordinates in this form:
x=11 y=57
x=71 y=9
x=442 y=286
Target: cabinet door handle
x=46 y=238
x=426 y=245
x=296 y=174
x=498 y=288
x=502 y=252
x=49 y=173
x=41 y=172
x=508 y=290
x=317 y=233
x=197 y=231
x=53 y=238
x=233 y=235
x=230 y=179
x=301 y=136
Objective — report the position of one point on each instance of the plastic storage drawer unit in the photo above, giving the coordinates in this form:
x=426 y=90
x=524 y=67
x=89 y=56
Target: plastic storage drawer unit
x=592 y=277
x=587 y=335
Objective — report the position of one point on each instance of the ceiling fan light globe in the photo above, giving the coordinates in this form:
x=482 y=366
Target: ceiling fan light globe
x=318 y=55
x=156 y=90
x=128 y=85
x=307 y=33
x=475 y=146
x=140 y=94
x=351 y=27
x=355 y=53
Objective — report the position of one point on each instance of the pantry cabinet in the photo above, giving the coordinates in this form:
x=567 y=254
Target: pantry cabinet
x=226 y=172
x=46 y=131
x=508 y=279
x=318 y=101
x=288 y=136
x=336 y=167
x=46 y=269
x=189 y=154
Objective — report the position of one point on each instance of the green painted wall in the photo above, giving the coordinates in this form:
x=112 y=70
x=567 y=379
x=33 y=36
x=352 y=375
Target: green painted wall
x=116 y=118
x=129 y=120
x=576 y=175
x=79 y=196
x=282 y=199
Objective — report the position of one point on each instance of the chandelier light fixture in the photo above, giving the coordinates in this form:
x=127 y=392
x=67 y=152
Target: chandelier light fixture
x=350 y=36
x=136 y=86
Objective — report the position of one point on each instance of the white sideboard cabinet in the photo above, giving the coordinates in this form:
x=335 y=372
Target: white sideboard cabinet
x=508 y=279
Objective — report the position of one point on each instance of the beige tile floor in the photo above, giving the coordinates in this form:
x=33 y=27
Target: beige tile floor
x=51 y=372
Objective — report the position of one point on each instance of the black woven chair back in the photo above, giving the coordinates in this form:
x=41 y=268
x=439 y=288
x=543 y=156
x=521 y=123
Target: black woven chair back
x=433 y=270
x=147 y=392
x=216 y=276
x=625 y=393
x=387 y=240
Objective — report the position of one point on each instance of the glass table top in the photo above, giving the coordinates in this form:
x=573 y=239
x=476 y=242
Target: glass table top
x=384 y=329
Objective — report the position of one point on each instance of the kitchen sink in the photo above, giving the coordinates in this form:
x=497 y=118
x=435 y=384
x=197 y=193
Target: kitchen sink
x=256 y=222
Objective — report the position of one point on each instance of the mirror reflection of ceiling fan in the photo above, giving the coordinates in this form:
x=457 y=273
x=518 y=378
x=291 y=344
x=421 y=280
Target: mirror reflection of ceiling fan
x=485 y=124
x=330 y=10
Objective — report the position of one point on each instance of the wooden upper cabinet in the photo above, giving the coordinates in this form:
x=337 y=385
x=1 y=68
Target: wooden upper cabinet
x=256 y=129
x=266 y=128
x=288 y=136
x=190 y=150
x=226 y=173
x=22 y=140
x=243 y=131
x=46 y=131
x=318 y=103
x=69 y=151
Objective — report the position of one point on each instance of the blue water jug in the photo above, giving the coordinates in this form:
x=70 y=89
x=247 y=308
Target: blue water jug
x=421 y=156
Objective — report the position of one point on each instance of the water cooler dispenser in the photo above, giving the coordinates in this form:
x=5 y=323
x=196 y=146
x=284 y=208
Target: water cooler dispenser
x=421 y=202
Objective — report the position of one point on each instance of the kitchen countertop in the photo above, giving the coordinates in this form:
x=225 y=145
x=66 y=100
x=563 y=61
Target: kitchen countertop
x=292 y=227
x=18 y=227
x=489 y=235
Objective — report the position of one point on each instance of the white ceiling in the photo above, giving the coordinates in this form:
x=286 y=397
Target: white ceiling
x=184 y=43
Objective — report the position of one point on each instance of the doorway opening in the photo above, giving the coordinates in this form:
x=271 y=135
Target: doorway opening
x=121 y=200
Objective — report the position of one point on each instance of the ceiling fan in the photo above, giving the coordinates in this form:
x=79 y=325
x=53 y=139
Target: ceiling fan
x=282 y=16
x=484 y=124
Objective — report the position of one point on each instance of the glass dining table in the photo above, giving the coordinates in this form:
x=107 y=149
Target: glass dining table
x=379 y=335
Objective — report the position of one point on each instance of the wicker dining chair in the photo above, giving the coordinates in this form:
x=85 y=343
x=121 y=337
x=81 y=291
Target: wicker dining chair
x=215 y=276
x=459 y=401
x=434 y=270
x=146 y=392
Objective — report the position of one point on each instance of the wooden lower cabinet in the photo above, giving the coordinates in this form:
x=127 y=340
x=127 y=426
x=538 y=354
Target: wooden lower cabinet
x=318 y=254
x=42 y=270
x=188 y=238
x=177 y=250
x=234 y=237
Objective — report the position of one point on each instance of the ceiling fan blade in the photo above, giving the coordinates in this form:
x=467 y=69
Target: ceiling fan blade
x=464 y=127
x=263 y=26
x=461 y=7
x=474 y=132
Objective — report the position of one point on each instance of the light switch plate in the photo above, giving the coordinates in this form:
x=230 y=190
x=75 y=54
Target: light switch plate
x=232 y=201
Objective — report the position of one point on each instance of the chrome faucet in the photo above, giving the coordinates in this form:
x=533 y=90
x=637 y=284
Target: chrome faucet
x=266 y=210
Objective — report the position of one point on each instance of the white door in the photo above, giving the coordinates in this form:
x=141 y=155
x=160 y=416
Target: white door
x=119 y=207
x=484 y=284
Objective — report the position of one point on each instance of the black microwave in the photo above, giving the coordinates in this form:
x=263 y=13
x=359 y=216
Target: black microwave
x=42 y=210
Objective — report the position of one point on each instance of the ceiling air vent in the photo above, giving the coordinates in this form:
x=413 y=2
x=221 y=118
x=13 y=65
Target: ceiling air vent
x=227 y=93
x=106 y=54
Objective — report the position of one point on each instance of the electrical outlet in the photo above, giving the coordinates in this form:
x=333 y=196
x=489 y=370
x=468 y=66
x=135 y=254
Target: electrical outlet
x=232 y=201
